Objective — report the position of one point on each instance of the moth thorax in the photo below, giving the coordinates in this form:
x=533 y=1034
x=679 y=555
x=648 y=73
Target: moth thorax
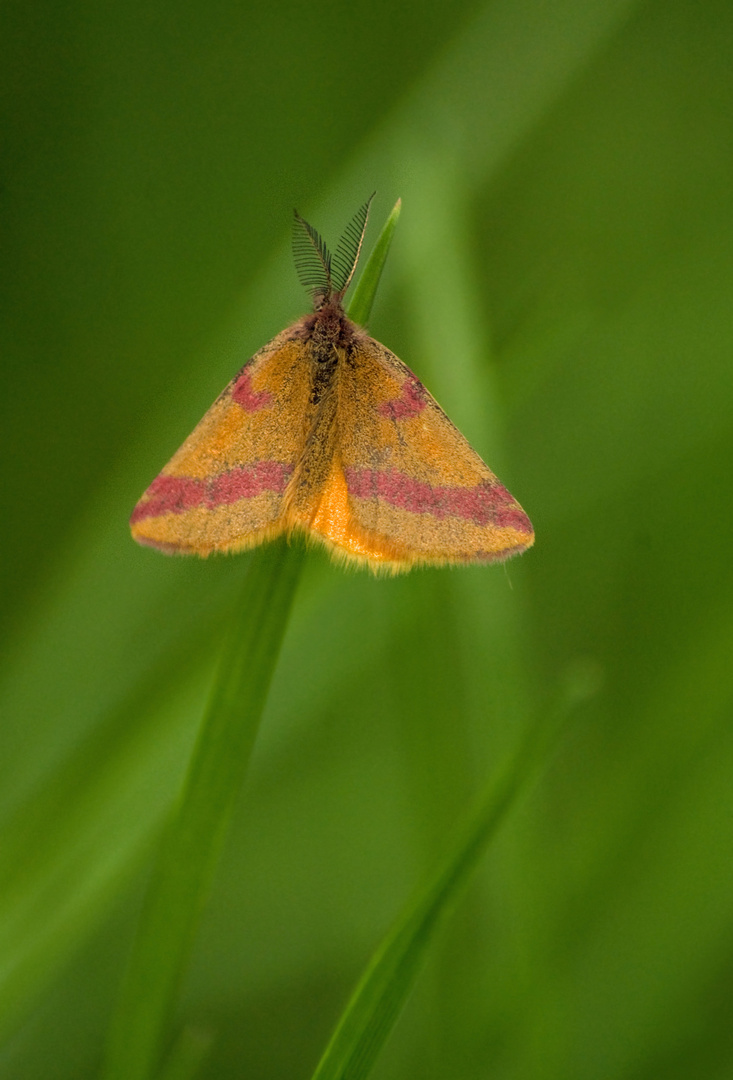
x=330 y=330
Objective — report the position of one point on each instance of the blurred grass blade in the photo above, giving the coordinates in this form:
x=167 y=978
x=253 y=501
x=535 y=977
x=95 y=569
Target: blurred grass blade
x=365 y=289
x=193 y=840
x=192 y=844
x=188 y=1055
x=380 y=995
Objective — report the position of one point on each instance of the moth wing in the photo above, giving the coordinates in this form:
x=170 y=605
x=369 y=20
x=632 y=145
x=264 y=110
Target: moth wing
x=223 y=489
x=416 y=491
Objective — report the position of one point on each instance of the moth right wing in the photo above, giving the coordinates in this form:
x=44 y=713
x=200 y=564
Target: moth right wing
x=414 y=492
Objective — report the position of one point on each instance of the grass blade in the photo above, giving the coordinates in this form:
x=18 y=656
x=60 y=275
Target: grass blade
x=188 y=1055
x=365 y=289
x=193 y=840
x=196 y=832
x=383 y=989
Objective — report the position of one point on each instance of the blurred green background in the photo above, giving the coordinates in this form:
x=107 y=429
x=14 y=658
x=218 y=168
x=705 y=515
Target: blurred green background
x=562 y=280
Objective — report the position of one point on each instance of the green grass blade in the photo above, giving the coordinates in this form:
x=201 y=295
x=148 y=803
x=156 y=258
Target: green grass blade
x=188 y=1055
x=365 y=289
x=195 y=835
x=197 y=829
x=380 y=995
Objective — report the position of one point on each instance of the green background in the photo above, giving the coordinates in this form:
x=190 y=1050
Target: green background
x=562 y=280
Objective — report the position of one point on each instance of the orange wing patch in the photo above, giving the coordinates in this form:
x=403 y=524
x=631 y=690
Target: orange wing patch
x=333 y=524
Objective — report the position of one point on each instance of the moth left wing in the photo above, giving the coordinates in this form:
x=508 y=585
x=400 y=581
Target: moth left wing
x=223 y=489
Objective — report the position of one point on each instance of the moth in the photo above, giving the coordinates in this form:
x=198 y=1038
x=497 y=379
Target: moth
x=325 y=432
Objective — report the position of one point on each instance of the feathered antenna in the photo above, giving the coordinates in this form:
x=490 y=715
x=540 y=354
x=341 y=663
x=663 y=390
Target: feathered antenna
x=312 y=259
x=348 y=248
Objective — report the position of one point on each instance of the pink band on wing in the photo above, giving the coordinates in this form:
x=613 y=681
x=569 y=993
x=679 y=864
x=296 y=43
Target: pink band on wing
x=483 y=504
x=177 y=494
x=410 y=402
x=247 y=397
